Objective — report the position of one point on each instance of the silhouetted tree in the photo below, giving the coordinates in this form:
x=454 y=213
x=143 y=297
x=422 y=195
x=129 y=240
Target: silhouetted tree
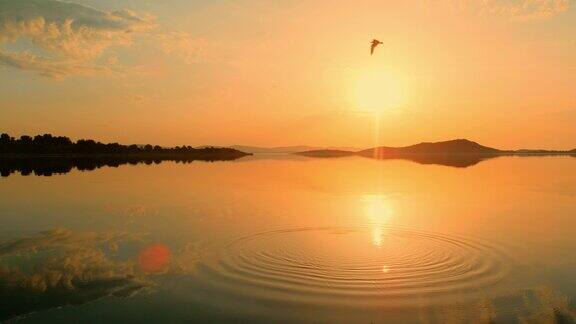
x=49 y=144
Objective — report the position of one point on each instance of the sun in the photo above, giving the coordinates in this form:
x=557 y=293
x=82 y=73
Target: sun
x=379 y=90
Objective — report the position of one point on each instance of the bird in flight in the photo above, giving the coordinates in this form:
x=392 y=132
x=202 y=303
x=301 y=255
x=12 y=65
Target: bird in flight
x=375 y=43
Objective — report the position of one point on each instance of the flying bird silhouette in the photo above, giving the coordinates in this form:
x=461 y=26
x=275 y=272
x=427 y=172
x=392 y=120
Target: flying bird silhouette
x=374 y=43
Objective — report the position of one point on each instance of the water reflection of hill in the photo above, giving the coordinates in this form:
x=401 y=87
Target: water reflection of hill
x=462 y=160
x=459 y=153
x=51 y=165
x=457 y=161
x=451 y=160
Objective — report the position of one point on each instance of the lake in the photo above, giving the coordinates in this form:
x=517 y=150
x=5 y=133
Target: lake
x=281 y=238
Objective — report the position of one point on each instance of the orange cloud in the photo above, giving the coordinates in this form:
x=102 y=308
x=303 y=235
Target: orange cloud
x=518 y=10
x=68 y=38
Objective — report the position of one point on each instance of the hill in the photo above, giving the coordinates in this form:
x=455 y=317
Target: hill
x=286 y=149
x=457 y=153
x=458 y=146
x=540 y=152
x=278 y=149
x=326 y=153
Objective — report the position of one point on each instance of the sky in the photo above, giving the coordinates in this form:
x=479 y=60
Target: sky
x=275 y=73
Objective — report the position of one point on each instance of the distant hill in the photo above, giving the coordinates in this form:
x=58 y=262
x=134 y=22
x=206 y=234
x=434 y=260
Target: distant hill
x=458 y=146
x=326 y=153
x=456 y=153
x=279 y=149
x=528 y=151
x=286 y=149
x=454 y=160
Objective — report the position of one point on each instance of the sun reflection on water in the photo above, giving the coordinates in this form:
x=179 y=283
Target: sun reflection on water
x=378 y=211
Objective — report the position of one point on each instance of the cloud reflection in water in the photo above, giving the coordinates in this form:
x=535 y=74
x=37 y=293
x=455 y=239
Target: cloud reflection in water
x=61 y=267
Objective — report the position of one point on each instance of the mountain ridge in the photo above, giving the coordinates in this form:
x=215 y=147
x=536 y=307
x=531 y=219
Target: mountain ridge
x=459 y=153
x=449 y=147
x=288 y=149
x=457 y=146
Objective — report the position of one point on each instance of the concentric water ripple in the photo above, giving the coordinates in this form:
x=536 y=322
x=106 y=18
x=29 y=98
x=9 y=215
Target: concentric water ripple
x=369 y=266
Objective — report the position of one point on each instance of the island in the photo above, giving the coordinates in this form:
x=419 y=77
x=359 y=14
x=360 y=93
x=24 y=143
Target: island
x=326 y=153
x=456 y=153
x=47 y=154
x=287 y=149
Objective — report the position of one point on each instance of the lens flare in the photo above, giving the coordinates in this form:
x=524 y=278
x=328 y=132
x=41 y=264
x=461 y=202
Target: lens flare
x=154 y=258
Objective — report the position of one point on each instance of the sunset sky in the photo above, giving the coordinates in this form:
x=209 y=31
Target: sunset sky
x=272 y=73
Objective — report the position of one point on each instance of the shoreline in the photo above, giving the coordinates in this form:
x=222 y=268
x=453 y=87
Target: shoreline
x=145 y=155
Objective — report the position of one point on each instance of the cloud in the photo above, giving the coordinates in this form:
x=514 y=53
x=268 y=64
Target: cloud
x=518 y=10
x=63 y=38
x=60 y=267
x=180 y=44
x=567 y=115
x=527 y=9
x=62 y=239
x=541 y=304
x=48 y=67
x=71 y=278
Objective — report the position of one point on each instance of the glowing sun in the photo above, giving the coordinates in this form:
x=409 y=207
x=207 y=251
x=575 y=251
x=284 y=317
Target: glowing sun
x=379 y=90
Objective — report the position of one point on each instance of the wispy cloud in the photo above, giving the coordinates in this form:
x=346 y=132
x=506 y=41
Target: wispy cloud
x=62 y=239
x=54 y=68
x=527 y=9
x=67 y=267
x=518 y=10
x=57 y=39
x=76 y=270
x=180 y=44
x=565 y=116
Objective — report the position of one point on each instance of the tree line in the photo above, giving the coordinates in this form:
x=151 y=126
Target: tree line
x=48 y=166
x=50 y=144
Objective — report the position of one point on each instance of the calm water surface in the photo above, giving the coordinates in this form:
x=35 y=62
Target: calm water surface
x=287 y=239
